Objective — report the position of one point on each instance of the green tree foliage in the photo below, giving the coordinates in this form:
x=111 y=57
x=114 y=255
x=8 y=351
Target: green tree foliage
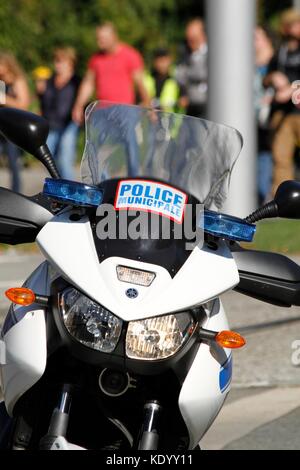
x=32 y=28
x=268 y=11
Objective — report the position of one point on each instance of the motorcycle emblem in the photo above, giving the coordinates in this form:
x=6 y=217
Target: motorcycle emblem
x=132 y=293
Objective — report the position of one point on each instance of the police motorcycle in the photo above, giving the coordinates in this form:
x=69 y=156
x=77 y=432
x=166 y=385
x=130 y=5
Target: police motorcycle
x=119 y=340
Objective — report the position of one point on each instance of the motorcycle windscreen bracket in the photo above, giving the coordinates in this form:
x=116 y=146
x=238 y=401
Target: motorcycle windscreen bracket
x=151 y=196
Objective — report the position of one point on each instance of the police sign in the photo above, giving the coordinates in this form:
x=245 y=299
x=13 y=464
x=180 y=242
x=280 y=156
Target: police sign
x=151 y=196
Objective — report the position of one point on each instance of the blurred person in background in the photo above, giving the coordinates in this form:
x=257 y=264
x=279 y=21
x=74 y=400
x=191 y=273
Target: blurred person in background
x=57 y=95
x=163 y=89
x=284 y=69
x=192 y=72
x=16 y=96
x=116 y=71
x=264 y=52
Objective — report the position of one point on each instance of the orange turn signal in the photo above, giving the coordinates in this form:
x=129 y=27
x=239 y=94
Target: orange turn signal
x=20 y=295
x=230 y=339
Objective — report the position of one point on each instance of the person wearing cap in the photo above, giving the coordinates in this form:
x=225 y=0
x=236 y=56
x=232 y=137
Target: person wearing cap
x=40 y=75
x=284 y=69
x=164 y=91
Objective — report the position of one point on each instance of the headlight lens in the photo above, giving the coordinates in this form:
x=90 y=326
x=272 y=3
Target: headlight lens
x=159 y=337
x=88 y=322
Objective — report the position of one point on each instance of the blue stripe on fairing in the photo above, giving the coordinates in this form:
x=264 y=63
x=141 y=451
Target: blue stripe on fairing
x=225 y=374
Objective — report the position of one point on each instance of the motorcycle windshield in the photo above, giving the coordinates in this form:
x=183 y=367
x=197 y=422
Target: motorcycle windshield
x=193 y=154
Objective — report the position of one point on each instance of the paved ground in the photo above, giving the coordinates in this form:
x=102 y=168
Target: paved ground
x=32 y=179
x=263 y=408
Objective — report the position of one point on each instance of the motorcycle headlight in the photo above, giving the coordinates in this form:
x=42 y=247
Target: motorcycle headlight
x=159 y=337
x=88 y=322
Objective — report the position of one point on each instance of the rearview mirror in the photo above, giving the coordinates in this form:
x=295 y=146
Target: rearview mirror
x=287 y=199
x=286 y=203
x=29 y=132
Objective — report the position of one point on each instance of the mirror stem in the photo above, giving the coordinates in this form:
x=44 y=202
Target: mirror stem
x=268 y=211
x=44 y=155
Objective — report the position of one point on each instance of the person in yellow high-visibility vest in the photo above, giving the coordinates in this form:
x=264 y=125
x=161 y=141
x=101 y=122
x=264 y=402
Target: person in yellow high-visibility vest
x=164 y=91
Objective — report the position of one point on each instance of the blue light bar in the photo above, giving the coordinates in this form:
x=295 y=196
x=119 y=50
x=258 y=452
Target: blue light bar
x=226 y=226
x=71 y=192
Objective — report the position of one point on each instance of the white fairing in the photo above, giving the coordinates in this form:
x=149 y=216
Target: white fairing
x=70 y=248
x=25 y=357
x=24 y=345
x=204 y=275
x=201 y=396
x=70 y=251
